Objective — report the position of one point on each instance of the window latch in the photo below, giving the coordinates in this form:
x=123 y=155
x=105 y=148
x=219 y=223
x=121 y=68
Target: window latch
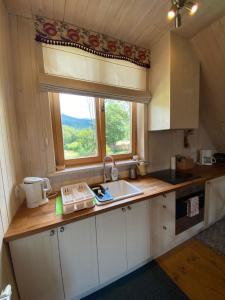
x=103 y=107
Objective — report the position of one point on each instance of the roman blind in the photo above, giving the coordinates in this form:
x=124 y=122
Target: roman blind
x=68 y=69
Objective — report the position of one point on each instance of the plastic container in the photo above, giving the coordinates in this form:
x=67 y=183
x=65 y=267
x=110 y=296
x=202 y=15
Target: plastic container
x=76 y=197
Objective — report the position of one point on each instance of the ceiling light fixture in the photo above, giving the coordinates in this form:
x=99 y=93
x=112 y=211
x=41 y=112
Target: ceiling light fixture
x=191 y=7
x=177 y=5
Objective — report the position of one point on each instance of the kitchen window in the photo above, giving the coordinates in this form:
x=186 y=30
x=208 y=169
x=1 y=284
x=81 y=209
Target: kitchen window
x=87 y=128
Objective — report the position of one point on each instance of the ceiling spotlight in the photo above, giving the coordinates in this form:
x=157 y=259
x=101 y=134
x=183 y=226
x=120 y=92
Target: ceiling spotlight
x=177 y=5
x=172 y=12
x=191 y=7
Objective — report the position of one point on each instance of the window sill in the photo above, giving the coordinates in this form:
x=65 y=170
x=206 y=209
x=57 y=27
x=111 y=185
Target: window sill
x=92 y=167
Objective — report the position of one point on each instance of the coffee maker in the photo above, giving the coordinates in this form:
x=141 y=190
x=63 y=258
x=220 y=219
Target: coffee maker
x=206 y=157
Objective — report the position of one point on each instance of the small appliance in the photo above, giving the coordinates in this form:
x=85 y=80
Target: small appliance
x=219 y=157
x=36 y=189
x=206 y=157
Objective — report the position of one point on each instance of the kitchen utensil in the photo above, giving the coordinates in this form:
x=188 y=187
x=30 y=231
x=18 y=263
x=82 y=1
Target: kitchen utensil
x=142 y=168
x=133 y=173
x=184 y=163
x=76 y=197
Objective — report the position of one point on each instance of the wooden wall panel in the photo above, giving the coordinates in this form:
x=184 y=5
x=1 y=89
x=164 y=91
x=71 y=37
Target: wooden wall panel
x=210 y=47
x=141 y=22
x=32 y=106
x=10 y=165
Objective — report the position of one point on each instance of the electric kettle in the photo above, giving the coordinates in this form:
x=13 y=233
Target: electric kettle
x=36 y=189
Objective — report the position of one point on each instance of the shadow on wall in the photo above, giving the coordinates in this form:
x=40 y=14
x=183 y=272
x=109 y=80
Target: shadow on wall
x=164 y=144
x=213 y=118
x=209 y=45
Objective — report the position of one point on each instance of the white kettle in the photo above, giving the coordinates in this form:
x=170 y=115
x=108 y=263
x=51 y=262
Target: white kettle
x=36 y=189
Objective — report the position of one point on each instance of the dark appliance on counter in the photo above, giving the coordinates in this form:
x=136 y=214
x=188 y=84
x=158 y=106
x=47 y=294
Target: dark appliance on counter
x=219 y=157
x=183 y=221
x=173 y=176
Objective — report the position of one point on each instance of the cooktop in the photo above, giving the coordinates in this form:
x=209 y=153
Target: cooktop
x=173 y=176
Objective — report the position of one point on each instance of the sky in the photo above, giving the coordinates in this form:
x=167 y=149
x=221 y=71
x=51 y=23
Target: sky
x=77 y=106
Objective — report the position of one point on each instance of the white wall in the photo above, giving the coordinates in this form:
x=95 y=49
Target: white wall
x=164 y=144
x=10 y=168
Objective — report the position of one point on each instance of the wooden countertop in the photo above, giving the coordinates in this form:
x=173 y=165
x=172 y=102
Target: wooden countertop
x=28 y=221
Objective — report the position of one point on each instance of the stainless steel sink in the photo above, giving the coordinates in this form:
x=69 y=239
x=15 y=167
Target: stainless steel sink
x=121 y=189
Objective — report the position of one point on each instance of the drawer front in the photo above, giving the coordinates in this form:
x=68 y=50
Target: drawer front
x=163 y=222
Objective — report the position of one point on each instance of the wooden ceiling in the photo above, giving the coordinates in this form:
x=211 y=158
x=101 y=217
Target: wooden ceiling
x=140 y=22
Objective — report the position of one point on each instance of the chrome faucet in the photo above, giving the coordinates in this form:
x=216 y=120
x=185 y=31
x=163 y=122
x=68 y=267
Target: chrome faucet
x=114 y=170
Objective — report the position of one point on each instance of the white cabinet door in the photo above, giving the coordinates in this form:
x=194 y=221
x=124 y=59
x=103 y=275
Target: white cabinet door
x=111 y=243
x=162 y=223
x=138 y=233
x=215 y=200
x=37 y=266
x=78 y=254
x=168 y=207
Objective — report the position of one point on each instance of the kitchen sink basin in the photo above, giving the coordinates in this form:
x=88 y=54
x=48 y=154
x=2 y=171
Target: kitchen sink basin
x=121 y=189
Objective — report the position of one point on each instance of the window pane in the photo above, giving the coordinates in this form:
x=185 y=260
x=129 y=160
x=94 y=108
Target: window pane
x=78 y=114
x=118 y=126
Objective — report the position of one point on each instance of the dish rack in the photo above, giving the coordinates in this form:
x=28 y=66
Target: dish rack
x=76 y=197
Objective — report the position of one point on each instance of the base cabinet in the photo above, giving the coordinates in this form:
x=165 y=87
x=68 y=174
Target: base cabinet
x=162 y=223
x=111 y=243
x=73 y=260
x=37 y=266
x=78 y=255
x=138 y=233
x=123 y=240
x=215 y=200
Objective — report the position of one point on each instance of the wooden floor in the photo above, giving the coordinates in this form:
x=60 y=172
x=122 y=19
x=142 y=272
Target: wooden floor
x=197 y=270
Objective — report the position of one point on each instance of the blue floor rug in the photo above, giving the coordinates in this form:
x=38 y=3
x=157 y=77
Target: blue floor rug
x=147 y=283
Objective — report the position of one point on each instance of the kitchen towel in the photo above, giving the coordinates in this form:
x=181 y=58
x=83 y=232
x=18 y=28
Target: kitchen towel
x=58 y=206
x=193 y=206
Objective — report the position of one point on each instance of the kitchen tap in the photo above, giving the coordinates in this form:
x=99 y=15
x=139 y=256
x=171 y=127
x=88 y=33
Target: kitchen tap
x=114 y=171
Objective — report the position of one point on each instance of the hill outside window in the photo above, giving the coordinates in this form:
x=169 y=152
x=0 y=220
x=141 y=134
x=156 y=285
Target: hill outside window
x=85 y=129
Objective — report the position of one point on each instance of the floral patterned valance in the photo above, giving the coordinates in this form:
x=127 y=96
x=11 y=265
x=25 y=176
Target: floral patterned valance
x=61 y=33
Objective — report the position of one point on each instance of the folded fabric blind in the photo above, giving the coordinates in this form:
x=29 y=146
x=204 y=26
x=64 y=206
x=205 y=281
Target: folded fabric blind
x=69 y=69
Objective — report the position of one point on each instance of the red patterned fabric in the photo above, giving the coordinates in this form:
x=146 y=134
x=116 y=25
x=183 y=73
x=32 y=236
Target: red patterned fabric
x=61 y=33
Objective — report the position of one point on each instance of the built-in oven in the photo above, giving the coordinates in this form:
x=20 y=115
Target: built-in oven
x=183 y=197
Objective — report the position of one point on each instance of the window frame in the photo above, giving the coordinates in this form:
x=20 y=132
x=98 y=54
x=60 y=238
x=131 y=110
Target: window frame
x=61 y=162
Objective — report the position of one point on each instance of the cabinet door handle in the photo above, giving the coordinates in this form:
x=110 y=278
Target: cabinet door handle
x=164 y=227
x=61 y=229
x=123 y=209
x=164 y=206
x=129 y=207
x=52 y=232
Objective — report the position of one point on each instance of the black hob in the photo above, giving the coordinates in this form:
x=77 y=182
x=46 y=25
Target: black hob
x=173 y=176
